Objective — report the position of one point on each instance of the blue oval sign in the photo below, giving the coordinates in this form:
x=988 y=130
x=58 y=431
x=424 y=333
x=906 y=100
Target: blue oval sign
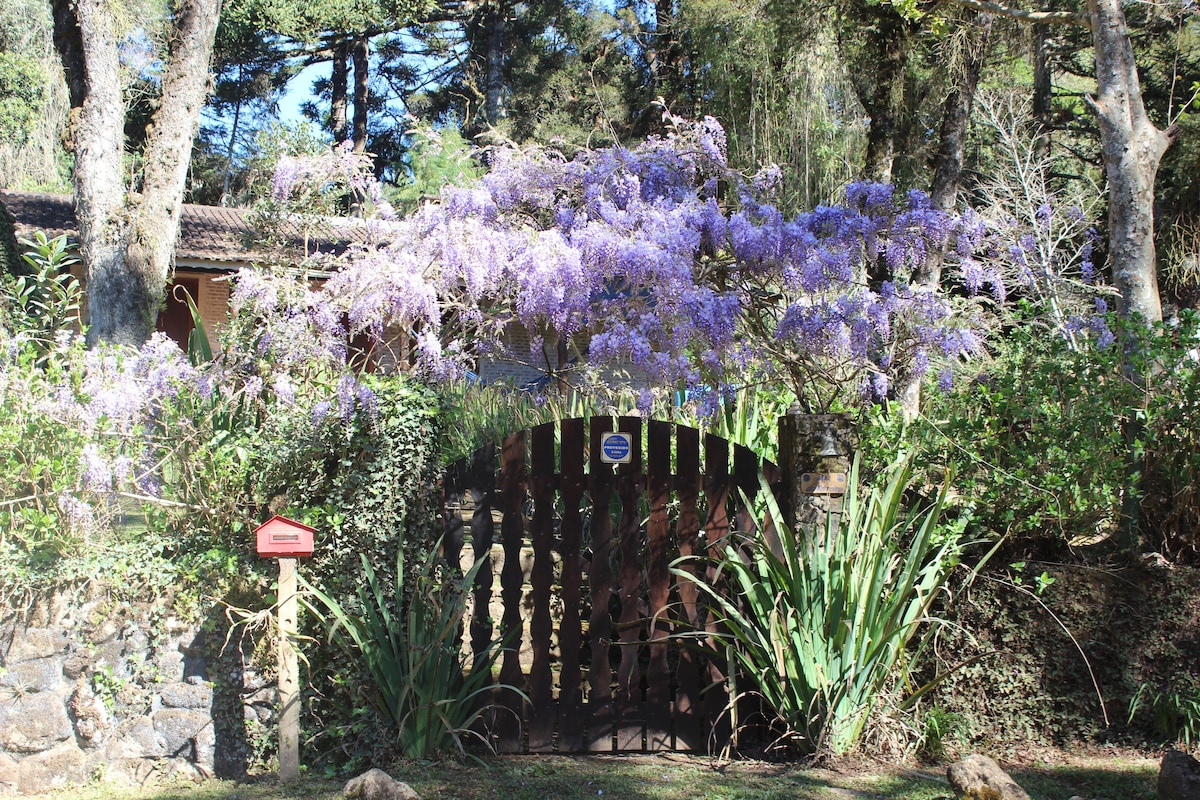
x=616 y=448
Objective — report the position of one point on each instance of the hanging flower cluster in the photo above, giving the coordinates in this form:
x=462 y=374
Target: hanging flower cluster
x=662 y=261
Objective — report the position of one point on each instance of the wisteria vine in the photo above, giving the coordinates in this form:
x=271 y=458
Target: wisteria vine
x=659 y=260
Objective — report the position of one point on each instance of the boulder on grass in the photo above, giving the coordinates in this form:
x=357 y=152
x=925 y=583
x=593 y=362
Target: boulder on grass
x=979 y=777
x=1179 y=777
x=378 y=785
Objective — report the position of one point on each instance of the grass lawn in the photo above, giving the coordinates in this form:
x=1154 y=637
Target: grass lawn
x=678 y=777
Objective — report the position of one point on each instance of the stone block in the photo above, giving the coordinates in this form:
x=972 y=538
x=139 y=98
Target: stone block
x=186 y=695
x=981 y=775
x=376 y=784
x=33 y=723
x=140 y=741
x=93 y=720
x=77 y=662
x=30 y=643
x=1179 y=777
x=10 y=780
x=188 y=734
x=38 y=675
x=170 y=666
x=63 y=765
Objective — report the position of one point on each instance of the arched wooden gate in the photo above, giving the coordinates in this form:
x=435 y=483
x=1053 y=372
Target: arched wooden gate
x=586 y=599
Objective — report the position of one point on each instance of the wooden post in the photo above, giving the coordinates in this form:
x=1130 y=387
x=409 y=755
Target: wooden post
x=289 y=679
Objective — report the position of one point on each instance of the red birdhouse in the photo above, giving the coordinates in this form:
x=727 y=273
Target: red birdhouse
x=280 y=537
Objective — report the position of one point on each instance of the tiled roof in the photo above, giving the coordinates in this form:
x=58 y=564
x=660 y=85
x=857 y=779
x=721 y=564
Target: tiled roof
x=225 y=237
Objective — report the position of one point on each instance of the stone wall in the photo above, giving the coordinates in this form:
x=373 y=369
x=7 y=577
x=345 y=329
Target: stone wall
x=93 y=688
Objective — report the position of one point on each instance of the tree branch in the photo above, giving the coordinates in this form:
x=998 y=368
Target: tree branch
x=1031 y=17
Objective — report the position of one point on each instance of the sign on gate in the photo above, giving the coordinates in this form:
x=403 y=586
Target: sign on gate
x=616 y=448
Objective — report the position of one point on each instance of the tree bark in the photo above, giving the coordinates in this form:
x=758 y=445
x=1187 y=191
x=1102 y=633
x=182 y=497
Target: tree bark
x=127 y=238
x=1043 y=90
x=665 y=56
x=362 y=58
x=1132 y=148
x=339 y=85
x=493 y=33
x=956 y=121
x=234 y=130
x=888 y=41
x=947 y=177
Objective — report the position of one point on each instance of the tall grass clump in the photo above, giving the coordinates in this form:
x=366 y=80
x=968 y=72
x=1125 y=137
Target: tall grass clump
x=409 y=637
x=820 y=627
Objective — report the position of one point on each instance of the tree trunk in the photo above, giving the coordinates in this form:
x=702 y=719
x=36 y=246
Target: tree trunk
x=956 y=120
x=888 y=41
x=339 y=85
x=362 y=58
x=665 y=56
x=947 y=178
x=234 y=126
x=1132 y=148
x=493 y=108
x=127 y=239
x=1043 y=90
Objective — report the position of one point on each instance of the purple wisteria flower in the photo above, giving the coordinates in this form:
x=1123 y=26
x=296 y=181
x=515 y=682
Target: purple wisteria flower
x=657 y=259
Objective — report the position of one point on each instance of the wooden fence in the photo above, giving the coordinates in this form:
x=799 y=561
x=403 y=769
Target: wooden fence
x=586 y=599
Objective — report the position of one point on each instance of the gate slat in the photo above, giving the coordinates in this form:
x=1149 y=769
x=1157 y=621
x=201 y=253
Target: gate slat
x=482 y=488
x=570 y=700
x=642 y=690
x=512 y=533
x=629 y=678
x=745 y=476
x=600 y=697
x=541 y=536
x=717 y=484
x=658 y=579
x=686 y=709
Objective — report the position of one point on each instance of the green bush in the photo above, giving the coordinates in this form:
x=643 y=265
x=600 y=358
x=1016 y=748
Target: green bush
x=1049 y=444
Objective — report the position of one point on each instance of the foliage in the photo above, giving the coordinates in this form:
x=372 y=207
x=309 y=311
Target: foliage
x=409 y=635
x=22 y=82
x=821 y=626
x=45 y=301
x=436 y=158
x=938 y=728
x=361 y=469
x=1022 y=681
x=1175 y=709
x=774 y=78
x=1051 y=466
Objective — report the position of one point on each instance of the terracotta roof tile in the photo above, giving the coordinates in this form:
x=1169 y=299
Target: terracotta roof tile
x=225 y=237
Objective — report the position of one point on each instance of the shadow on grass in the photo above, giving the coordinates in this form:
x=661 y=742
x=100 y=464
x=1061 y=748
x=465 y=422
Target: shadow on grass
x=605 y=778
x=674 y=777
x=1114 y=779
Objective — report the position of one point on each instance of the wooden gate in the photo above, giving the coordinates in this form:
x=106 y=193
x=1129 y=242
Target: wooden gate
x=586 y=600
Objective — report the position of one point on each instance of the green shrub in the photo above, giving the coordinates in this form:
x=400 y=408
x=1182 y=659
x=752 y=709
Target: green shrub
x=1175 y=710
x=1049 y=443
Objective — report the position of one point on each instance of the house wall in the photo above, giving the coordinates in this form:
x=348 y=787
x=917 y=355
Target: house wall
x=213 y=302
x=515 y=368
